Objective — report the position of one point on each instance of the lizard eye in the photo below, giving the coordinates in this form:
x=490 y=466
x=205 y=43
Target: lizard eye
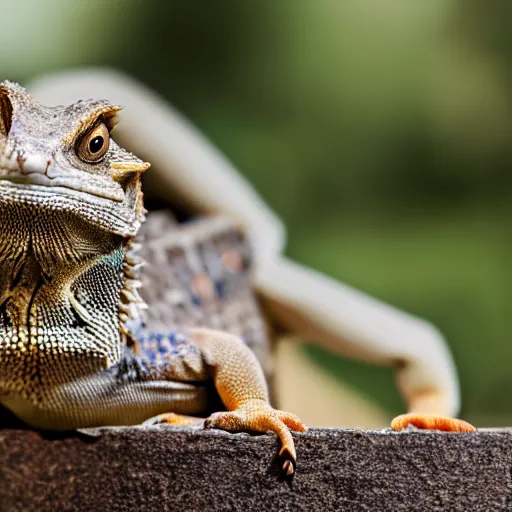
x=93 y=147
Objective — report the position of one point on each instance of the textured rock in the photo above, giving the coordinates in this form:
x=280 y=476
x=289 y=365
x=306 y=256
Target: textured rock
x=162 y=468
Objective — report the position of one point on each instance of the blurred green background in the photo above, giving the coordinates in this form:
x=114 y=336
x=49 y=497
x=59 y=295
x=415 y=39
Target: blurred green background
x=381 y=132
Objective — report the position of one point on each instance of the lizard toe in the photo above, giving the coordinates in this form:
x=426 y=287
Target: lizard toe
x=292 y=421
x=170 y=418
x=431 y=422
x=225 y=421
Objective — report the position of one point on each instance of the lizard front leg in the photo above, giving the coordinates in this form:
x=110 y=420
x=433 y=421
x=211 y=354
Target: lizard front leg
x=241 y=385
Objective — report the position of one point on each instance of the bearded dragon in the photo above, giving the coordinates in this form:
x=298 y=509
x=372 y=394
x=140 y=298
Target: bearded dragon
x=74 y=350
x=78 y=347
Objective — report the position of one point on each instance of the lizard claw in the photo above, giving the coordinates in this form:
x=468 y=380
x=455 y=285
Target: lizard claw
x=259 y=416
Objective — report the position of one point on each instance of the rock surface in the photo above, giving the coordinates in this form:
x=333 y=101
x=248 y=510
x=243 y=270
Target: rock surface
x=163 y=468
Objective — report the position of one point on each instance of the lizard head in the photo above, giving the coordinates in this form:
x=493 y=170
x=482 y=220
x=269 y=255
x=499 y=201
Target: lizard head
x=62 y=159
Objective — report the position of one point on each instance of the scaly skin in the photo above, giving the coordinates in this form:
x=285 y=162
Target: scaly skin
x=74 y=349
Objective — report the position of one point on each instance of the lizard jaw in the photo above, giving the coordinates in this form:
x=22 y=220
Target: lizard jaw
x=29 y=178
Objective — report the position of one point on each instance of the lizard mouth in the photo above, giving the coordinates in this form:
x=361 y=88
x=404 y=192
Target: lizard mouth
x=36 y=179
x=99 y=208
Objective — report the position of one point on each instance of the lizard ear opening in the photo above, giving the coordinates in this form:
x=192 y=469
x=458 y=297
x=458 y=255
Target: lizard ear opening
x=5 y=112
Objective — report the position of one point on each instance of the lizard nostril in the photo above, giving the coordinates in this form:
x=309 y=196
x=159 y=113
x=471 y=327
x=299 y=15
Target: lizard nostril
x=32 y=163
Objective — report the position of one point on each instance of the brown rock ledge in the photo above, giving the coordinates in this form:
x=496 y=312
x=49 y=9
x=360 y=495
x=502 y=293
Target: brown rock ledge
x=163 y=468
